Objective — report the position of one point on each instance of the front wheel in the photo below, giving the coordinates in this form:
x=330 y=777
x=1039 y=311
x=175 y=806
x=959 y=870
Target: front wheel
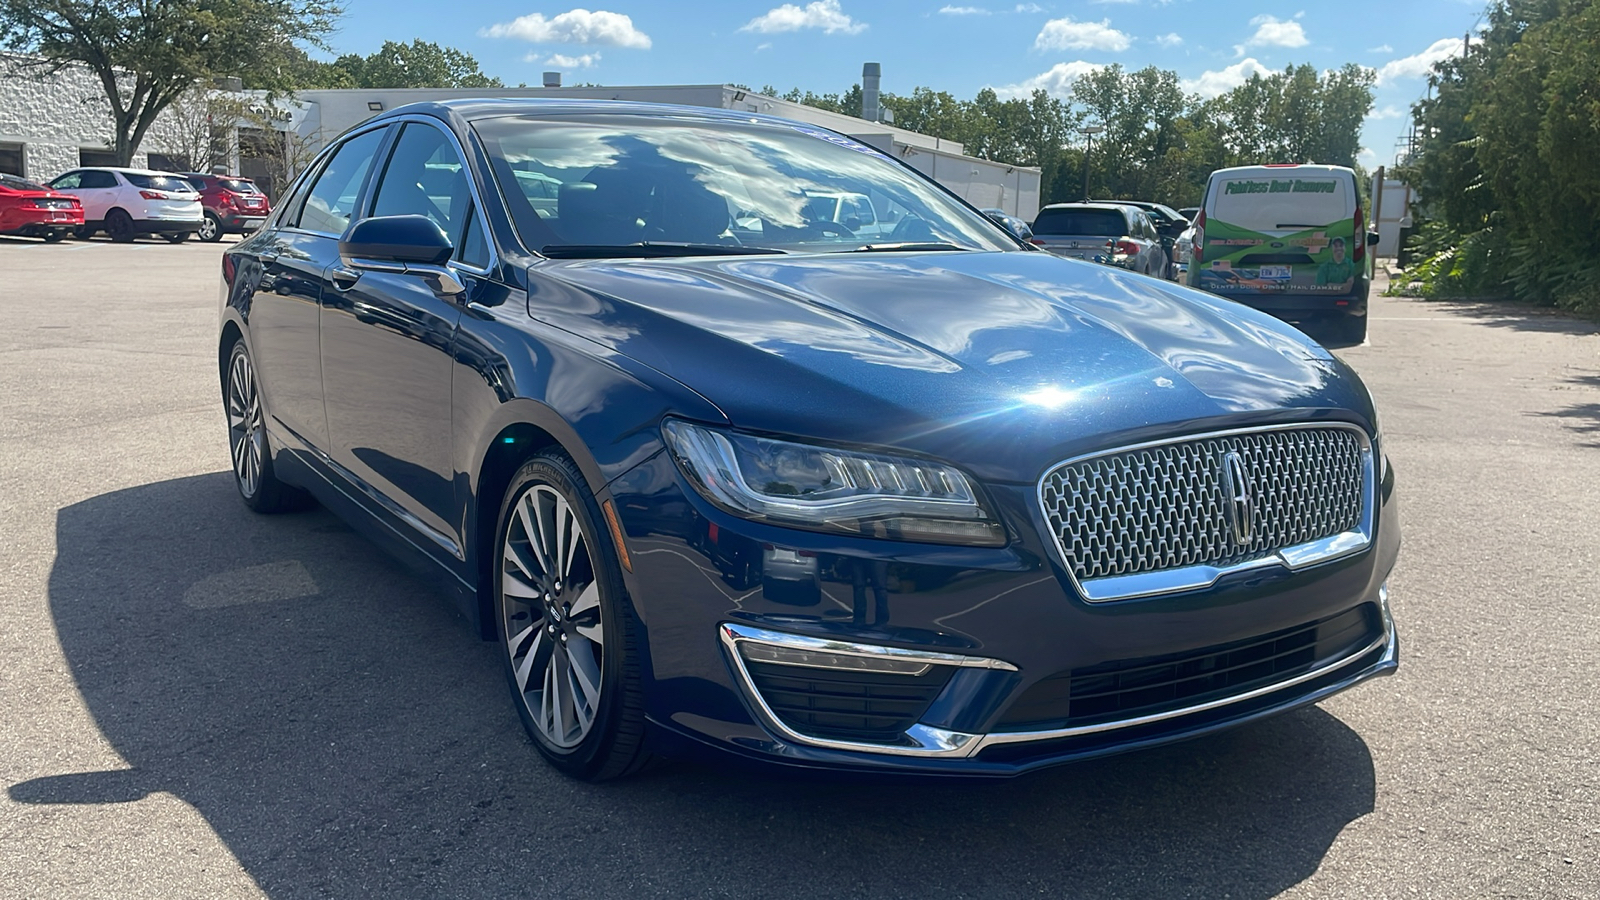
x=567 y=632
x=253 y=473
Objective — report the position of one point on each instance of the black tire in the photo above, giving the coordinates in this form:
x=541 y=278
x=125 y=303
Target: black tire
x=175 y=237
x=534 y=630
x=119 y=226
x=211 y=230
x=1348 y=331
x=84 y=232
x=54 y=237
x=247 y=434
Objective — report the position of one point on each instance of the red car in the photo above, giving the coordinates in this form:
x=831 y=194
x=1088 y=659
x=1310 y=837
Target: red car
x=33 y=210
x=233 y=205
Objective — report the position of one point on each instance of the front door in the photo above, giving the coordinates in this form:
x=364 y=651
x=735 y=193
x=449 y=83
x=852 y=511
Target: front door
x=387 y=339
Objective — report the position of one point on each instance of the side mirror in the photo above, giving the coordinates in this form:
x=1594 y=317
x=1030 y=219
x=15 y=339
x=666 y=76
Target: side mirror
x=1015 y=227
x=396 y=239
x=1372 y=238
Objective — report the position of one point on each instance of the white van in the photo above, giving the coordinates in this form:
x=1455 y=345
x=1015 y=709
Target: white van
x=1290 y=240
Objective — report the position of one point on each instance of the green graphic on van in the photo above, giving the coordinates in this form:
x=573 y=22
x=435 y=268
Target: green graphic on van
x=1314 y=260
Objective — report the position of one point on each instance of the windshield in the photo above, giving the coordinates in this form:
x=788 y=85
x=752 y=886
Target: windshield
x=1094 y=222
x=621 y=181
x=158 y=182
x=16 y=183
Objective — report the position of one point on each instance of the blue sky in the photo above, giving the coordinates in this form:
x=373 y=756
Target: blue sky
x=959 y=46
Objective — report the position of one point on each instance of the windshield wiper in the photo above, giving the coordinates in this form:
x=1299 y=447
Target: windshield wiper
x=908 y=246
x=650 y=249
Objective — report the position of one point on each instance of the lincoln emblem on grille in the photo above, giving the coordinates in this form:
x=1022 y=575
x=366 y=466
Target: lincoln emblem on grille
x=1239 y=501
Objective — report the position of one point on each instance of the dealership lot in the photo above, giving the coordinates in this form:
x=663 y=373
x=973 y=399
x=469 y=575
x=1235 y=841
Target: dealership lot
x=196 y=701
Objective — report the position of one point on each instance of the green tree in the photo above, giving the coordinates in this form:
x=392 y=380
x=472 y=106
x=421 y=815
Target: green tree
x=147 y=54
x=419 y=64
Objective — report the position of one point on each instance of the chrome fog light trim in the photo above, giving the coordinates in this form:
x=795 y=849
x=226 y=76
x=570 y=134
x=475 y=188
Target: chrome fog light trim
x=826 y=653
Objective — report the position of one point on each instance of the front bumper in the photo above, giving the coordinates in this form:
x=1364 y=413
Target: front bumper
x=1001 y=625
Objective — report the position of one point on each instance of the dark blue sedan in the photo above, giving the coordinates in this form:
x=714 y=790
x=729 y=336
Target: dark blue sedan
x=720 y=473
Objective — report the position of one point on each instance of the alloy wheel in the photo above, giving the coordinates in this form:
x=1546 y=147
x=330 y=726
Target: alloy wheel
x=555 y=634
x=210 y=230
x=246 y=438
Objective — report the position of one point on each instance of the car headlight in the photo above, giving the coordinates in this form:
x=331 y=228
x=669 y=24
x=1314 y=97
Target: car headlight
x=828 y=489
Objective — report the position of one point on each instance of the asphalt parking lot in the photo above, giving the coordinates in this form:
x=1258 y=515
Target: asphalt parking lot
x=200 y=702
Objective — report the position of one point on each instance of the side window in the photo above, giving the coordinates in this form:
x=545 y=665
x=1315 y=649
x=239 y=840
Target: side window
x=68 y=181
x=425 y=177
x=97 y=180
x=333 y=197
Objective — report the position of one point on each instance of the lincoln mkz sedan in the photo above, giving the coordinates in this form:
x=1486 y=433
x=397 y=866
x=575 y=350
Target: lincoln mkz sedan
x=720 y=476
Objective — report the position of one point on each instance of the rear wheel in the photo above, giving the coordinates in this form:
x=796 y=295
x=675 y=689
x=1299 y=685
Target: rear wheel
x=253 y=474
x=210 y=230
x=1352 y=330
x=119 y=226
x=568 y=635
x=54 y=237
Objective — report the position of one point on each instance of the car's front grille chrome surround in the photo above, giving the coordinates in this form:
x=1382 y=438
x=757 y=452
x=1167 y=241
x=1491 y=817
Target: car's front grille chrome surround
x=1179 y=514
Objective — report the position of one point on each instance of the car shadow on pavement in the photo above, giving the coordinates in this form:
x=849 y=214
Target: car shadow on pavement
x=345 y=734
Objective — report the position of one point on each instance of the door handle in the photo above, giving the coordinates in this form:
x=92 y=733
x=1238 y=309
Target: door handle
x=342 y=278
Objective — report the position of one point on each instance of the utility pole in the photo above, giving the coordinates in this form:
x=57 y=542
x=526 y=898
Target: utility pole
x=1088 y=131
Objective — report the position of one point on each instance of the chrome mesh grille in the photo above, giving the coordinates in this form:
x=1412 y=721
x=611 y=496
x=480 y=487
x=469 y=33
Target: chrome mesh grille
x=1166 y=507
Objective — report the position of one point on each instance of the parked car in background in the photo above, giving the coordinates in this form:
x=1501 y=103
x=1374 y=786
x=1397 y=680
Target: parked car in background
x=1290 y=240
x=1189 y=212
x=1170 y=224
x=29 y=209
x=925 y=503
x=125 y=203
x=232 y=205
x=1019 y=228
x=1112 y=233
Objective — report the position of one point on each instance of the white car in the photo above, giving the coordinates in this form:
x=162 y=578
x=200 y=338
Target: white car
x=125 y=203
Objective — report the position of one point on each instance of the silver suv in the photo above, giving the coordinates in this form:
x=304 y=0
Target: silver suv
x=1110 y=233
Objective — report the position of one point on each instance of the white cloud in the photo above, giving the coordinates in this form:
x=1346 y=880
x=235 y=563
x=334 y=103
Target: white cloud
x=560 y=60
x=1388 y=112
x=1057 y=82
x=1212 y=84
x=577 y=26
x=963 y=11
x=1170 y=40
x=1029 y=8
x=823 y=14
x=1420 y=64
x=1065 y=34
x=1366 y=153
x=764 y=45
x=1271 y=32
x=1381 y=48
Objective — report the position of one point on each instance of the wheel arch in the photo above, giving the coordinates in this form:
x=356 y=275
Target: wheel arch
x=231 y=334
x=521 y=430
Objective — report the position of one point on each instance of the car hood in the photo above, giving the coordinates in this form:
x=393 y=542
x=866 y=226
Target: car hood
x=1002 y=362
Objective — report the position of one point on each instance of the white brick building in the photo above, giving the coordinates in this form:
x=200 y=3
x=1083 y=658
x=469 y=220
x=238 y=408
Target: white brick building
x=51 y=123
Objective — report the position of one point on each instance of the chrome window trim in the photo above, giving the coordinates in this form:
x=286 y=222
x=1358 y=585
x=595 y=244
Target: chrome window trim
x=1199 y=577
x=926 y=741
x=314 y=172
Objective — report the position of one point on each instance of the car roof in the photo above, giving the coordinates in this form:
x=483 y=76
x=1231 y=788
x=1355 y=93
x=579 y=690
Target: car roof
x=1105 y=205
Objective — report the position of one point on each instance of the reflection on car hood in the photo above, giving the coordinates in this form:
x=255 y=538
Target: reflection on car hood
x=1002 y=362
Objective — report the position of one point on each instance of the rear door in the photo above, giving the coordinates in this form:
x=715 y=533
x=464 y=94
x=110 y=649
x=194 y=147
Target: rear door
x=1079 y=232
x=285 y=312
x=1279 y=231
